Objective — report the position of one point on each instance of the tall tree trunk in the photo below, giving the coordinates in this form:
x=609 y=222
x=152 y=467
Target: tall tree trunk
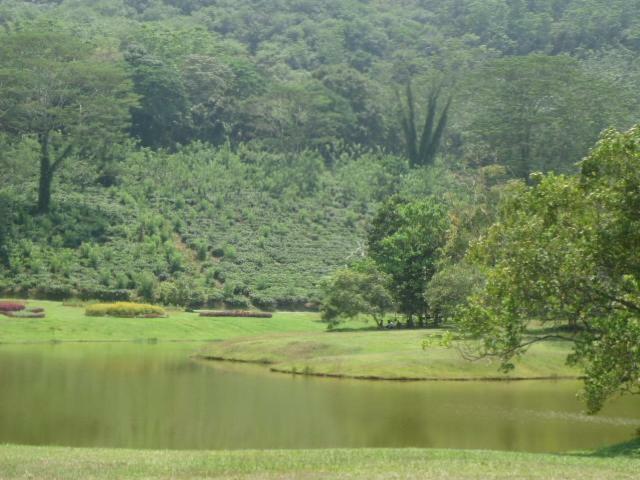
x=46 y=175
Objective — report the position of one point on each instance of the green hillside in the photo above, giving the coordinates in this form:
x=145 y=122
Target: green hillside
x=198 y=226
x=234 y=151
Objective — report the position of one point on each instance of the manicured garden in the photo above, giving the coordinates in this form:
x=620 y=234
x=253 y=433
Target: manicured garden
x=70 y=323
x=19 y=309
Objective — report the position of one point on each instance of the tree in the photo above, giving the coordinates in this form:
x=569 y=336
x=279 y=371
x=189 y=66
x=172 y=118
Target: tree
x=71 y=96
x=422 y=146
x=292 y=116
x=540 y=113
x=565 y=252
x=450 y=287
x=360 y=290
x=161 y=120
x=208 y=83
x=364 y=99
x=404 y=240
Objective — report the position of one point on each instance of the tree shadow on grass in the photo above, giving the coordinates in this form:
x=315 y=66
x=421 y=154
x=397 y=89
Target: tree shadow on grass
x=630 y=449
x=372 y=328
x=399 y=328
x=551 y=329
x=625 y=449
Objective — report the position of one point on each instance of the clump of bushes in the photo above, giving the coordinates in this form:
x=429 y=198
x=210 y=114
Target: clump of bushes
x=234 y=313
x=124 y=309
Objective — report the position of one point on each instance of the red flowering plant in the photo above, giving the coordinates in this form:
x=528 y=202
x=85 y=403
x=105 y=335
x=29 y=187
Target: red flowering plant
x=11 y=306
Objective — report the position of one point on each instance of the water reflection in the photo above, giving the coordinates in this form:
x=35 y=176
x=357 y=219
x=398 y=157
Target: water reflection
x=154 y=396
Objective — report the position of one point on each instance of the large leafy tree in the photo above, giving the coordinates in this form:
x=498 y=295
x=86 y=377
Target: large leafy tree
x=161 y=119
x=565 y=252
x=405 y=240
x=71 y=96
x=540 y=112
x=359 y=290
x=294 y=116
x=364 y=99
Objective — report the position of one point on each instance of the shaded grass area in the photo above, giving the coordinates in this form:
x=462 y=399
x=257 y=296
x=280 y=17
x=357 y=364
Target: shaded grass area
x=394 y=355
x=70 y=324
x=629 y=449
x=18 y=462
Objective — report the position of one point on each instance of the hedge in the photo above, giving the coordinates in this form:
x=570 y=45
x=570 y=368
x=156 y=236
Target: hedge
x=234 y=313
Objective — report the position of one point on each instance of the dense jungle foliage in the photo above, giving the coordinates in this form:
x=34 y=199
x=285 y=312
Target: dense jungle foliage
x=200 y=152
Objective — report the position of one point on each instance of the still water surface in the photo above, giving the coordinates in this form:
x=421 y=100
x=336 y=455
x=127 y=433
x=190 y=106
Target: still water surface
x=155 y=396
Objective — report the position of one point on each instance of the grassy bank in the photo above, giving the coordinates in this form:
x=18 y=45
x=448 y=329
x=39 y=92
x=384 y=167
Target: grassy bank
x=396 y=355
x=18 y=462
x=288 y=342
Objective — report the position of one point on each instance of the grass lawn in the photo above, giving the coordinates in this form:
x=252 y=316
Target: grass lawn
x=70 y=324
x=52 y=463
x=394 y=354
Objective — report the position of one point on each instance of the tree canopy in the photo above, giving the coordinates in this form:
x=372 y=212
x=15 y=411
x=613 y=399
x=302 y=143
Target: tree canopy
x=404 y=240
x=565 y=252
x=360 y=290
x=74 y=98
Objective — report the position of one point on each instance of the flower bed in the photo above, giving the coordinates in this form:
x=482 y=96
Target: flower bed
x=11 y=306
x=234 y=313
x=25 y=314
x=125 y=309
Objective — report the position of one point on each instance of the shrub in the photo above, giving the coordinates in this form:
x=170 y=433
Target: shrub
x=232 y=301
x=146 y=283
x=124 y=309
x=53 y=291
x=263 y=302
x=202 y=250
x=168 y=293
x=104 y=295
x=230 y=252
x=11 y=307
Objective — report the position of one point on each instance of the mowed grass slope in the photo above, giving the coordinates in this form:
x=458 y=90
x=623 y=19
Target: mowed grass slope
x=70 y=324
x=52 y=463
x=397 y=354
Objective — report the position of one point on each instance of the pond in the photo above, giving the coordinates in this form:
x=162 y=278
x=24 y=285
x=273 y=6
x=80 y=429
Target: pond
x=156 y=396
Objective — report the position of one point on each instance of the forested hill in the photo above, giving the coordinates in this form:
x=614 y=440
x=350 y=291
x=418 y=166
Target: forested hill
x=206 y=151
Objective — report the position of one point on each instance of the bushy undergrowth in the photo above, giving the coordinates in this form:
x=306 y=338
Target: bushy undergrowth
x=124 y=309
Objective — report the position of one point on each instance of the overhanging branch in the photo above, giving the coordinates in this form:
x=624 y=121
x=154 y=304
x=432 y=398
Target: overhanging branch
x=512 y=351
